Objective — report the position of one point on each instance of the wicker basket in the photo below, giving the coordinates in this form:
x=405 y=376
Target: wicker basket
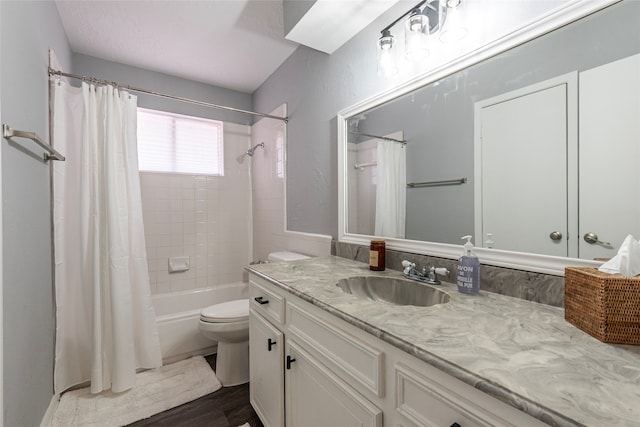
x=603 y=305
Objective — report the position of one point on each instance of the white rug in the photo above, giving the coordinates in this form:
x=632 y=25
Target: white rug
x=156 y=390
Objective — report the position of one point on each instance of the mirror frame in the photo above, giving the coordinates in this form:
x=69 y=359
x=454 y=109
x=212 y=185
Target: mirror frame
x=546 y=264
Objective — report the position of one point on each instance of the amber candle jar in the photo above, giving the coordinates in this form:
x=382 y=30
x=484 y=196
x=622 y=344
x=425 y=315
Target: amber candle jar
x=376 y=255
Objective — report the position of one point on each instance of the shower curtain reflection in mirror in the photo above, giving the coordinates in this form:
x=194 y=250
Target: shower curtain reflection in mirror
x=105 y=322
x=377 y=186
x=391 y=189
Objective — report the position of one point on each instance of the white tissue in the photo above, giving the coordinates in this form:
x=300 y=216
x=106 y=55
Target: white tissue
x=627 y=261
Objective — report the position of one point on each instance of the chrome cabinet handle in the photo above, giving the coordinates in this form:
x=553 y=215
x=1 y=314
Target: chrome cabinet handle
x=592 y=238
x=261 y=300
x=555 y=236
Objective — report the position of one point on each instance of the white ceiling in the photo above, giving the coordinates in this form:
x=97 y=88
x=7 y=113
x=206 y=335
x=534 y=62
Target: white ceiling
x=236 y=44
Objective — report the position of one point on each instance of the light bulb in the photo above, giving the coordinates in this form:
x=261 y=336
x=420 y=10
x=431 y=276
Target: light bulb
x=386 y=55
x=454 y=27
x=416 y=37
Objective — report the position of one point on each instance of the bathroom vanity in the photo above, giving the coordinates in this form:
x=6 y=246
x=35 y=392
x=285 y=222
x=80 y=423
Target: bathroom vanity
x=321 y=356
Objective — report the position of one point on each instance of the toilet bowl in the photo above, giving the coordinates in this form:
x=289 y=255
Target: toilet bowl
x=228 y=324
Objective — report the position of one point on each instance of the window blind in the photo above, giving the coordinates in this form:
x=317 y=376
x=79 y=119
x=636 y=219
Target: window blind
x=176 y=143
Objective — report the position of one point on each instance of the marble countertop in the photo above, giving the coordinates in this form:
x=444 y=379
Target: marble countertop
x=520 y=352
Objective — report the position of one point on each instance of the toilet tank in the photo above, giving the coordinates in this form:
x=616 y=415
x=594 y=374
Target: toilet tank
x=285 y=256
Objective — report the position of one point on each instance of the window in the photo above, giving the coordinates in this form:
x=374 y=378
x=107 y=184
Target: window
x=175 y=143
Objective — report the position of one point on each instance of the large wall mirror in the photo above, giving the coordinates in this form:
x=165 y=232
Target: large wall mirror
x=532 y=146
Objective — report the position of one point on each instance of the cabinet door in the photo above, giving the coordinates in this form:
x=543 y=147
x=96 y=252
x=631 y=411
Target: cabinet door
x=266 y=370
x=315 y=397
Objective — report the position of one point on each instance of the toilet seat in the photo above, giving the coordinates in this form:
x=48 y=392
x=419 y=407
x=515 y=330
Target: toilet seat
x=226 y=312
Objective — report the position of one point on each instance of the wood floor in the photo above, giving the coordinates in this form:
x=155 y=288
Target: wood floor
x=227 y=407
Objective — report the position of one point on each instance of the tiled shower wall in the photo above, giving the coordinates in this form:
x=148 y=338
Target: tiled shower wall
x=207 y=218
x=268 y=176
x=362 y=183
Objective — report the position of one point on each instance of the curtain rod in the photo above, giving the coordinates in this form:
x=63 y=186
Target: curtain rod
x=162 y=95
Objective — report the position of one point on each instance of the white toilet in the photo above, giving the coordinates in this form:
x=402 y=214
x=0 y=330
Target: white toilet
x=228 y=324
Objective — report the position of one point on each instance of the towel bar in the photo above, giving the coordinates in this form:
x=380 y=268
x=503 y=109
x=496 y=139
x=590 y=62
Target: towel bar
x=51 y=153
x=437 y=183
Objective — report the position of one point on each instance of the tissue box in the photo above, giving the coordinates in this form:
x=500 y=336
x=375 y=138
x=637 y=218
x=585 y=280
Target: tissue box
x=604 y=305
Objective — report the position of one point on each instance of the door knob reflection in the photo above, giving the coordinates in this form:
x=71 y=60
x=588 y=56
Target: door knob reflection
x=555 y=236
x=592 y=238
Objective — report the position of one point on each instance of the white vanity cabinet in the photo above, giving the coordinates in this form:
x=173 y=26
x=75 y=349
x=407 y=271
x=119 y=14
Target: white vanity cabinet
x=287 y=377
x=310 y=368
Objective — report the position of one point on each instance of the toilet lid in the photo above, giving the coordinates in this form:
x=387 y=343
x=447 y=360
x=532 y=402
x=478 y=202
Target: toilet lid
x=230 y=311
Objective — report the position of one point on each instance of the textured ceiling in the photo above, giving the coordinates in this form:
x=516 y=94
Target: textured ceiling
x=236 y=44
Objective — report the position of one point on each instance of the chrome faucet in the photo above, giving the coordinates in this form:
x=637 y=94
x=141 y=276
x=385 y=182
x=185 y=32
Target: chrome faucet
x=423 y=275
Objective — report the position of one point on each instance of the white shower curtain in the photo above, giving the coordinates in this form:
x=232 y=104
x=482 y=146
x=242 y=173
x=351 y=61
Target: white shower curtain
x=391 y=189
x=105 y=322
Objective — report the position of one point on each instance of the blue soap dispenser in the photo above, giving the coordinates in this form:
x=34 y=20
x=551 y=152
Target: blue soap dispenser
x=468 y=270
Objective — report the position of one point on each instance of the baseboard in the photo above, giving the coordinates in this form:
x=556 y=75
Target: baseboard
x=47 y=420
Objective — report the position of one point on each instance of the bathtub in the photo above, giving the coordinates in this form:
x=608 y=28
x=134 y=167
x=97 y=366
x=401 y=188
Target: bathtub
x=177 y=315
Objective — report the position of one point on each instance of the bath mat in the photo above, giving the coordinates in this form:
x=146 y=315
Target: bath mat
x=156 y=390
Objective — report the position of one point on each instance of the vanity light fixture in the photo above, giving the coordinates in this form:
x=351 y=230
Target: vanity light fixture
x=454 y=28
x=425 y=18
x=416 y=35
x=386 y=55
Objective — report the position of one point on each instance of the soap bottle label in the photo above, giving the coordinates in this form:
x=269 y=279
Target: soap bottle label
x=376 y=255
x=465 y=277
x=373 y=258
x=468 y=275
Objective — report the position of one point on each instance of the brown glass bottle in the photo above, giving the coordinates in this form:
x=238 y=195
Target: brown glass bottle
x=376 y=255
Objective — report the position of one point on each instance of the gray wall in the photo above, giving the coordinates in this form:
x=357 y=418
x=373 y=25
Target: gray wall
x=163 y=83
x=28 y=29
x=316 y=86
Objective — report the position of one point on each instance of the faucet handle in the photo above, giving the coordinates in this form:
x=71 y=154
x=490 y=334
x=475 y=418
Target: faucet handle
x=408 y=266
x=442 y=271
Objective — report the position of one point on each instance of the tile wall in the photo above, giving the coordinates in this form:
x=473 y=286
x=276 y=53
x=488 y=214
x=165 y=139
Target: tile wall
x=267 y=175
x=268 y=169
x=362 y=184
x=207 y=218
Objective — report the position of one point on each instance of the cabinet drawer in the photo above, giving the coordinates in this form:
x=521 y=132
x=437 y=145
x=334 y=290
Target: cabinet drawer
x=344 y=353
x=427 y=403
x=265 y=301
